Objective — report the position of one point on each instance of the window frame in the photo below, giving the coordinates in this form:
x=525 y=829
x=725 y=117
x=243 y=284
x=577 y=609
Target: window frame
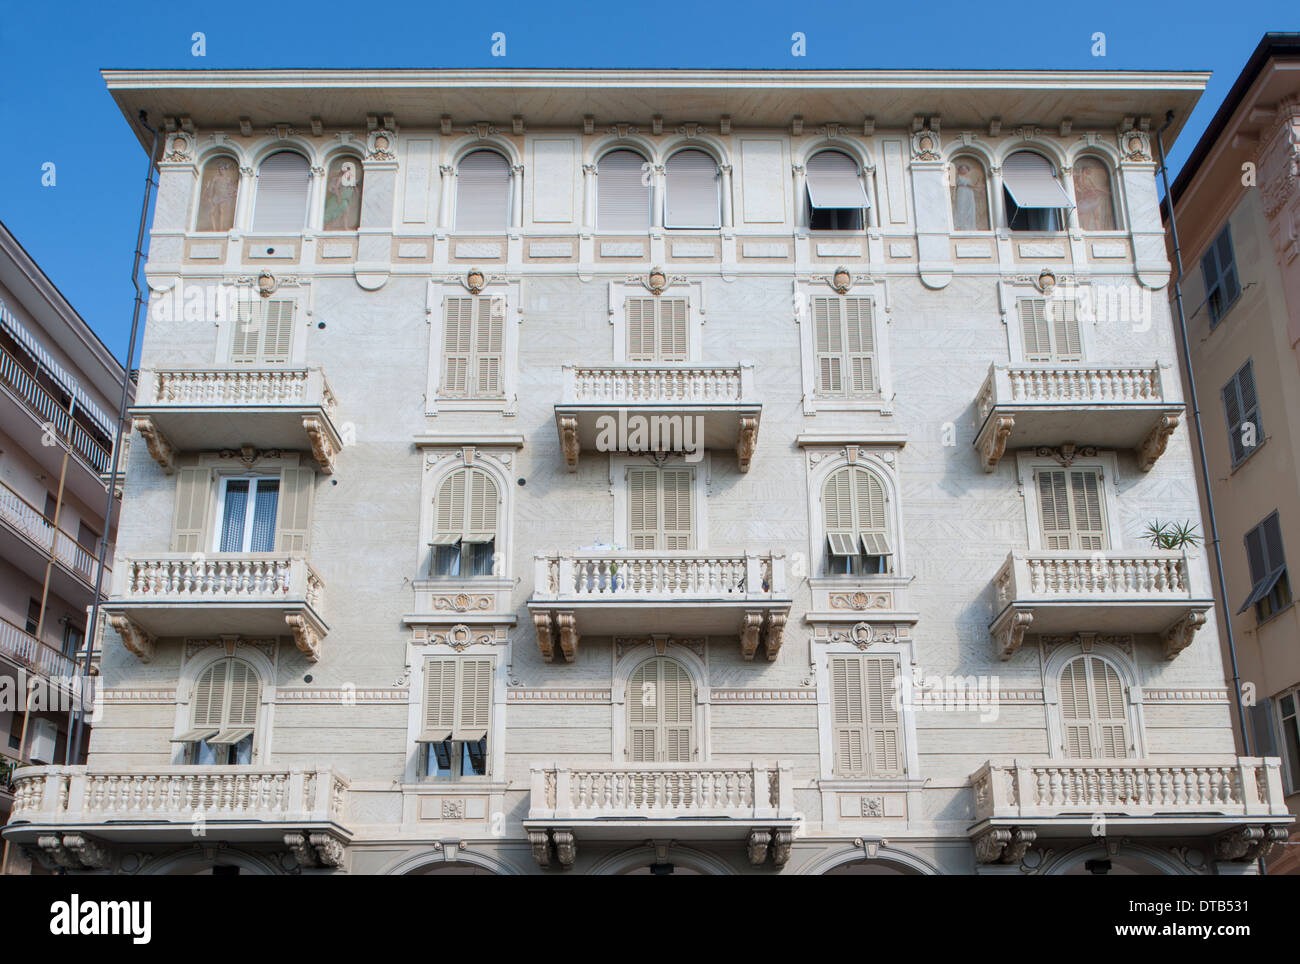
x=717 y=192
x=859 y=565
x=275 y=151
x=625 y=666
x=509 y=193
x=1270 y=592
x=650 y=190
x=859 y=218
x=1217 y=315
x=1095 y=721
x=257 y=744
x=466 y=551
x=882 y=398
x=250 y=509
x=1123 y=664
x=620 y=467
x=1059 y=221
x=1234 y=386
x=1105 y=462
x=619 y=294
x=507 y=402
x=418 y=768
x=1290 y=756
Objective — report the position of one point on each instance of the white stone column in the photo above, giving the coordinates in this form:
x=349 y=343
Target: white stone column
x=998 y=211
x=315 y=205
x=869 y=185
x=1072 y=213
x=657 y=196
x=244 y=202
x=589 y=197
x=446 y=198
x=724 y=172
x=801 y=221
x=517 y=196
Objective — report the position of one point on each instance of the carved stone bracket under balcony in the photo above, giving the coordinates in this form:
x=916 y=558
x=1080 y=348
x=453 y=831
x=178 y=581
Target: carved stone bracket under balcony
x=1003 y=845
x=1157 y=440
x=74 y=851
x=160 y=450
x=135 y=639
x=763 y=844
x=769 y=626
x=1248 y=844
x=557 y=843
x=1009 y=633
x=315 y=849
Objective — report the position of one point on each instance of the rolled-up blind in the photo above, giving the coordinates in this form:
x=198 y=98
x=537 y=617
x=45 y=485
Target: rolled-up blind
x=833 y=181
x=281 y=194
x=622 y=192
x=1032 y=182
x=691 y=198
x=483 y=192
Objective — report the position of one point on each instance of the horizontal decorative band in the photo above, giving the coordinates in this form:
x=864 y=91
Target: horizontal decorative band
x=342 y=695
x=805 y=695
x=1184 y=696
x=558 y=696
x=138 y=696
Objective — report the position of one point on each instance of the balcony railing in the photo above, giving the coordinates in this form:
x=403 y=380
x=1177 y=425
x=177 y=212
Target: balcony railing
x=28 y=520
x=659 y=575
x=240 y=387
x=24 y=648
x=1079 y=575
x=658 y=384
x=1064 y=384
x=52 y=413
x=232 y=577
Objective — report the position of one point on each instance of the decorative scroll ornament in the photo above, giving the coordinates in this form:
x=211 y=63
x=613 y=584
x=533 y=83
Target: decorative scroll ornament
x=178 y=149
x=379 y=146
x=925 y=146
x=249 y=455
x=1066 y=453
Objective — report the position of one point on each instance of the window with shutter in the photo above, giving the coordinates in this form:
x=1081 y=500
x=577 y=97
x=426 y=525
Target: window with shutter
x=483 y=192
x=1288 y=706
x=223 y=714
x=844 y=346
x=866 y=724
x=1049 y=330
x=660 y=713
x=1219 y=272
x=836 y=196
x=1035 y=200
x=691 y=191
x=856 y=523
x=473 y=347
x=657 y=329
x=661 y=511
x=247 y=510
x=282 y=186
x=1094 y=710
x=465 y=524
x=263 y=332
x=1241 y=411
x=623 y=192
x=1270 y=590
x=456 y=716
x=1071 y=510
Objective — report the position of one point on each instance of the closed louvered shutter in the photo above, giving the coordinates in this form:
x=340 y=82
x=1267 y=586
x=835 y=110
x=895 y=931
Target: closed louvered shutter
x=1241 y=408
x=860 y=345
x=263 y=332
x=672 y=329
x=884 y=728
x=439 y=700
x=643 y=713
x=829 y=346
x=1089 y=530
x=297 y=485
x=277 y=331
x=1111 y=714
x=1071 y=514
x=1094 y=713
x=641 y=340
x=483 y=192
x=678 y=711
x=473 y=347
x=622 y=193
x=1035 y=330
x=660 y=712
x=643 y=508
x=282 y=185
x=848 y=717
x=1045 y=339
x=481 y=509
x=457 y=345
x=1067 y=343
x=844 y=346
x=1075 y=710
x=660 y=508
x=246 y=336
x=210 y=696
x=450 y=510
x=474 y=706
x=489 y=347
x=691 y=191
x=1053 y=509
x=656 y=329
x=676 y=486
x=193 y=497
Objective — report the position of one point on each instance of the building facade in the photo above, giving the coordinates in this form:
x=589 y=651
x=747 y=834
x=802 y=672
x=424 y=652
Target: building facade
x=59 y=394
x=645 y=472
x=1237 y=204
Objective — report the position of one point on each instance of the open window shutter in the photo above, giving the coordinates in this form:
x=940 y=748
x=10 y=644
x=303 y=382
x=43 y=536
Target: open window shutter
x=1089 y=530
x=481 y=519
x=193 y=495
x=457 y=341
x=1034 y=328
x=1272 y=529
x=439 y=700
x=293 y=520
x=489 y=345
x=643 y=700
x=869 y=501
x=828 y=345
x=861 y=345
x=622 y=199
x=1210 y=271
x=672 y=329
x=691 y=186
x=1067 y=342
x=1261 y=727
x=643 y=508
x=676 y=488
x=1249 y=405
x=1075 y=711
x=1256 y=554
x=210 y=696
x=483 y=192
x=474 y=708
x=1234 y=416
x=834 y=182
x=451 y=508
x=277 y=331
x=848 y=721
x=282 y=184
x=1227 y=268
x=883 y=724
x=1111 y=716
x=677 y=711
x=837 y=501
x=246 y=335
x=1053 y=509
x=640 y=329
x=244 y=694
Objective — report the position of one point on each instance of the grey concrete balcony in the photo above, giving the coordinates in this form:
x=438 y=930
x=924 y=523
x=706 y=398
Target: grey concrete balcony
x=603 y=593
x=193 y=594
x=76 y=814
x=1237 y=799
x=1056 y=592
x=751 y=802
x=179 y=410
x=692 y=407
x=1025 y=406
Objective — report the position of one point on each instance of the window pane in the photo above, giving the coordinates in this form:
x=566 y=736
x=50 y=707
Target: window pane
x=440 y=759
x=232 y=516
x=267 y=496
x=475 y=760
x=481 y=556
x=241 y=754
x=1292 y=751
x=446 y=560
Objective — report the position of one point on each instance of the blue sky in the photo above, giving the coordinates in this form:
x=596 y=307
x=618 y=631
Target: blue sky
x=53 y=105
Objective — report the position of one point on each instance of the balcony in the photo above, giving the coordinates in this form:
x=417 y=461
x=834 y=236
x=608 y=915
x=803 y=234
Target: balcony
x=73 y=812
x=1096 y=592
x=24 y=649
x=229 y=408
x=29 y=541
x=600 y=594
x=1238 y=798
x=245 y=594
x=1025 y=406
x=646 y=408
x=751 y=802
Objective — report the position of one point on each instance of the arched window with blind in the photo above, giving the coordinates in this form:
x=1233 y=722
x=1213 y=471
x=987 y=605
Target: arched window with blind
x=691 y=192
x=660 y=713
x=622 y=192
x=483 y=192
x=1094 y=710
x=1034 y=197
x=465 y=524
x=223 y=715
x=856 y=521
x=282 y=186
x=837 y=199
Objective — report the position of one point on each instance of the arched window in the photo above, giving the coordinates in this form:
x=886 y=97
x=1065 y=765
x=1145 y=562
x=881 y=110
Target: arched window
x=622 y=192
x=343 y=194
x=483 y=192
x=1094 y=712
x=970 y=194
x=1093 y=194
x=660 y=712
x=282 y=183
x=836 y=197
x=1034 y=197
x=218 y=192
x=692 y=199
x=223 y=714
x=465 y=524
x=856 y=523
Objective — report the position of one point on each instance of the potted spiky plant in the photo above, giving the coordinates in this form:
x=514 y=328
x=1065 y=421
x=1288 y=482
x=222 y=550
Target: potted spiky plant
x=1172 y=535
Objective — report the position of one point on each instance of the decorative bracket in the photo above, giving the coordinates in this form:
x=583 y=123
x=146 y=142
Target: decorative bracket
x=322 y=446
x=746 y=441
x=1157 y=440
x=306 y=636
x=135 y=639
x=545 y=638
x=1004 y=845
x=992 y=443
x=159 y=448
x=1009 y=633
x=569 y=441
x=568 y=625
x=1179 y=636
x=1247 y=844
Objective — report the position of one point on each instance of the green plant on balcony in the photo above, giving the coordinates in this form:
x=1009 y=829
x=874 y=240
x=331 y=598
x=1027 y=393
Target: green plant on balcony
x=1172 y=535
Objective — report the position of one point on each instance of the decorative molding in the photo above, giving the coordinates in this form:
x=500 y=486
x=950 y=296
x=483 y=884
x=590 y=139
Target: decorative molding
x=734 y=695
x=859 y=600
x=1179 y=636
x=135 y=639
x=746 y=441
x=569 y=441
x=1157 y=440
x=341 y=695
x=306 y=636
x=1066 y=453
x=1245 y=844
x=994 y=441
x=266 y=644
x=1004 y=845
x=322 y=445
x=625 y=644
x=1184 y=696
x=594 y=695
x=137 y=695
x=1009 y=633
x=159 y=448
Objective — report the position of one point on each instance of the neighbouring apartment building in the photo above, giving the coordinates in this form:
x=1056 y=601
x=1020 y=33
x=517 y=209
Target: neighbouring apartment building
x=58 y=386
x=1237 y=203
x=657 y=472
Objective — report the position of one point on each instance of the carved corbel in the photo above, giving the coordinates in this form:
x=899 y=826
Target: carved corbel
x=757 y=845
x=569 y=441
x=568 y=626
x=773 y=631
x=746 y=440
x=1009 y=634
x=545 y=637
x=750 y=626
x=1179 y=636
x=135 y=639
x=305 y=635
x=1021 y=840
x=1157 y=440
x=993 y=441
x=782 y=840
x=296 y=844
x=329 y=849
x=54 y=850
x=159 y=448
x=1004 y=845
x=540 y=841
x=1246 y=844
x=322 y=446
x=566 y=848
x=89 y=853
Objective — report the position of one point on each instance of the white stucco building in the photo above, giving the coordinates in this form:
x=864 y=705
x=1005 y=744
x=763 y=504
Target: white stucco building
x=404 y=584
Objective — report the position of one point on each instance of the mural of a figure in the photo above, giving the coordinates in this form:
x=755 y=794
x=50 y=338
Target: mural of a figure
x=970 y=196
x=1093 y=195
x=217 y=195
x=343 y=195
